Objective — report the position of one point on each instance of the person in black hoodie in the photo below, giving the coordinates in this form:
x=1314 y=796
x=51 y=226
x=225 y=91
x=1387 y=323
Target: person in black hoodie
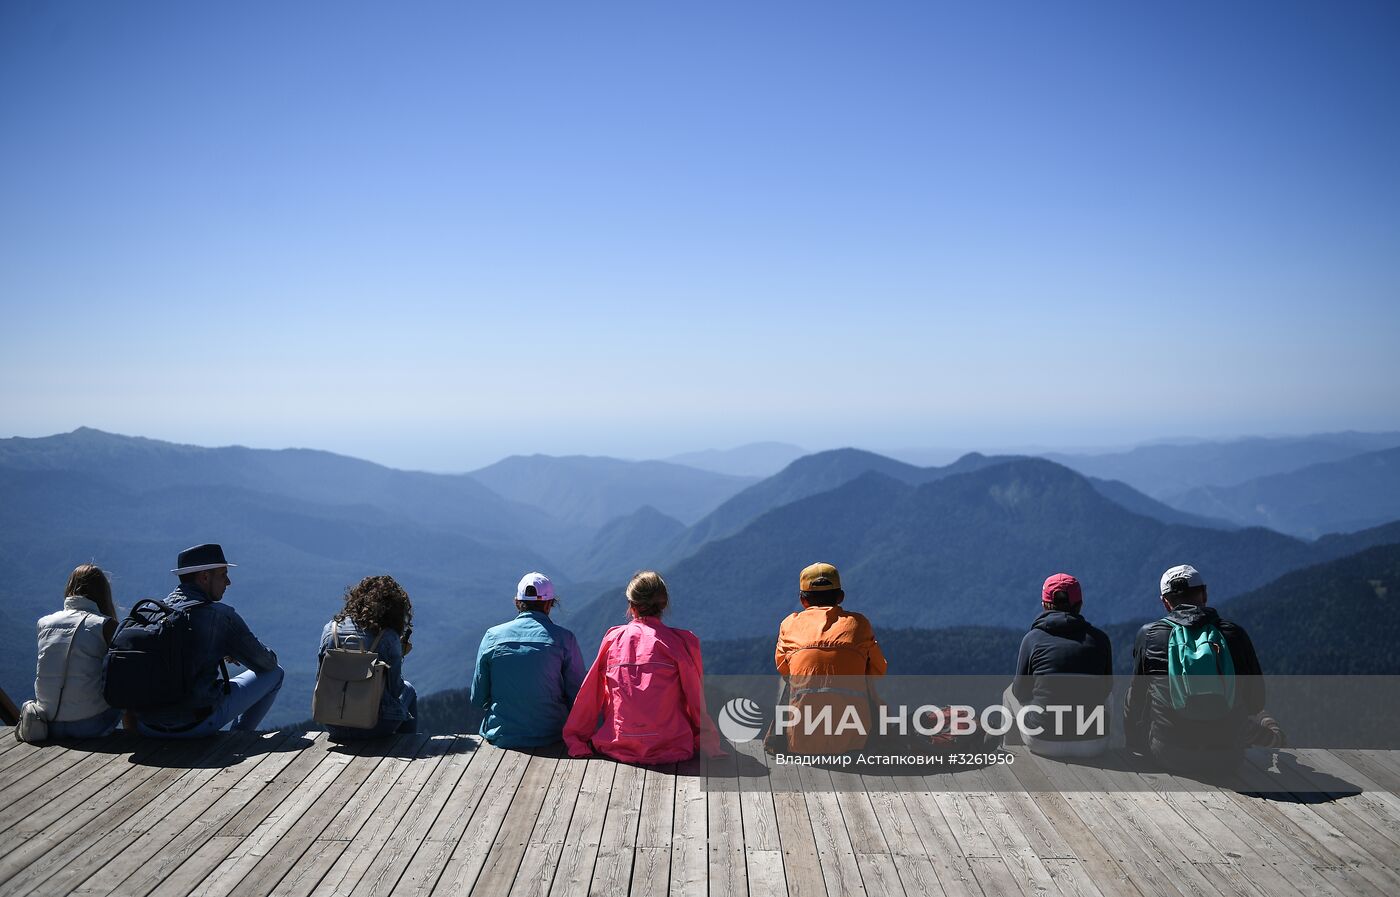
x=1152 y=725
x=1064 y=662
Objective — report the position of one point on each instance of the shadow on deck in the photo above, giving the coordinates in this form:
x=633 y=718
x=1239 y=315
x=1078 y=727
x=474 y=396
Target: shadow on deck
x=291 y=814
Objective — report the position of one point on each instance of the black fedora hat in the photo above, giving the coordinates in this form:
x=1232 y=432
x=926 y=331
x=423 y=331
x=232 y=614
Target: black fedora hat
x=209 y=556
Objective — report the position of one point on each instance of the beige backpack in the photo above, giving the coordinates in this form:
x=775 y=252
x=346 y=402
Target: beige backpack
x=349 y=684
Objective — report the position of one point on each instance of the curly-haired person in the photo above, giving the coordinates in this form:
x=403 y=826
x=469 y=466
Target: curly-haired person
x=378 y=613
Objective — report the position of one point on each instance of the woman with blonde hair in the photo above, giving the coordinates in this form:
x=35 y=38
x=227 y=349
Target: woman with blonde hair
x=72 y=645
x=378 y=613
x=647 y=684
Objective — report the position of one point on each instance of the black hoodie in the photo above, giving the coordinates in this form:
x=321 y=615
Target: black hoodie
x=1064 y=661
x=1147 y=711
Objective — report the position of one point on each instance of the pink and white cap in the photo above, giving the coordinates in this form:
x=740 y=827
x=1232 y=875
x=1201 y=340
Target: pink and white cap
x=543 y=588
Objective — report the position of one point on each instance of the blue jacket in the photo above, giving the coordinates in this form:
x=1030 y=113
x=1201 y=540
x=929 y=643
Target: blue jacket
x=390 y=650
x=219 y=632
x=528 y=673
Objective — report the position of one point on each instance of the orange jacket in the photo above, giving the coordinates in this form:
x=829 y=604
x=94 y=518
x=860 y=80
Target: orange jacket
x=827 y=653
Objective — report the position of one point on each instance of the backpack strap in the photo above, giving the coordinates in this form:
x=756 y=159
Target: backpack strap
x=335 y=638
x=144 y=606
x=188 y=610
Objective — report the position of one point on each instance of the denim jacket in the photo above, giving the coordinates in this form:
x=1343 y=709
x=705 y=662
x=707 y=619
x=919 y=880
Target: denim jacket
x=390 y=650
x=219 y=632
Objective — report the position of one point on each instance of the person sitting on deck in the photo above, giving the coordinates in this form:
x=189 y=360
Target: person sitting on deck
x=826 y=654
x=1196 y=699
x=647 y=683
x=1064 y=661
x=528 y=671
x=72 y=645
x=378 y=616
x=217 y=633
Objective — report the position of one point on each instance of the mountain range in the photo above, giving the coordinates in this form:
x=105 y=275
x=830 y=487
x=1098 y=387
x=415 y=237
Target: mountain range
x=968 y=548
x=757 y=459
x=138 y=465
x=965 y=544
x=589 y=492
x=1165 y=471
x=1337 y=496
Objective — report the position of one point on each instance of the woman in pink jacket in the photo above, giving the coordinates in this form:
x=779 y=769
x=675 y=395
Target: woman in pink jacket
x=647 y=685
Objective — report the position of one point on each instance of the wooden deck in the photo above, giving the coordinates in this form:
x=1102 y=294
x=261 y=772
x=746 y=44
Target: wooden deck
x=294 y=815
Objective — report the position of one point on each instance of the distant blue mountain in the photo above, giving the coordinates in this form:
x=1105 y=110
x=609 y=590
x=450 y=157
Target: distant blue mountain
x=1332 y=618
x=1340 y=496
x=1125 y=495
x=138 y=464
x=589 y=491
x=1164 y=471
x=623 y=545
x=965 y=549
x=757 y=459
x=822 y=471
x=809 y=475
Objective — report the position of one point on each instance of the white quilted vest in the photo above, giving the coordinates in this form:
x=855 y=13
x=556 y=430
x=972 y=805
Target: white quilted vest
x=81 y=624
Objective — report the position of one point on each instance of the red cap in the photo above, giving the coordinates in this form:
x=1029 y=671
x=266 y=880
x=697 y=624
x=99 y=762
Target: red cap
x=1066 y=585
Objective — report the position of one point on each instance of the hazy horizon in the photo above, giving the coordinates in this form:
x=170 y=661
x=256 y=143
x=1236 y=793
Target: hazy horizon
x=434 y=236
x=936 y=455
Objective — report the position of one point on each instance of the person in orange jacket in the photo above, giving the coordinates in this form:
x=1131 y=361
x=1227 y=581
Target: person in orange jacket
x=826 y=653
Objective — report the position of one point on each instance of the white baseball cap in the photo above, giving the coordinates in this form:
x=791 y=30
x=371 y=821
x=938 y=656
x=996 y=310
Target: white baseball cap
x=1181 y=573
x=534 y=587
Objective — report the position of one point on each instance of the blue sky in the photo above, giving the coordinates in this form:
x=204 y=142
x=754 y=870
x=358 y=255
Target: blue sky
x=434 y=234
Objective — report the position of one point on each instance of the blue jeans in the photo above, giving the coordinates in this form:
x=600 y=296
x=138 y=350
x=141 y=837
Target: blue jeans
x=93 y=727
x=408 y=697
x=248 y=700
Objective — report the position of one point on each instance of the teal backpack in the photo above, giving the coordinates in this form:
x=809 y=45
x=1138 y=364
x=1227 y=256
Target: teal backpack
x=1200 y=673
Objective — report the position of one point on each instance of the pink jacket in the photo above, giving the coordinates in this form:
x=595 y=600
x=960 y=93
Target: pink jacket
x=646 y=682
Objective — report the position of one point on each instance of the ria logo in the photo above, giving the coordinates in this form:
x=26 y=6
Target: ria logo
x=740 y=720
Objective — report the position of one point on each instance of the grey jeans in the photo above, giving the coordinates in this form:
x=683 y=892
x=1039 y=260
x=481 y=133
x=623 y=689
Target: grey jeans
x=1054 y=748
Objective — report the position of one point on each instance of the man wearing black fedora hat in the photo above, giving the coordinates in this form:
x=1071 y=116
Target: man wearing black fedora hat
x=217 y=634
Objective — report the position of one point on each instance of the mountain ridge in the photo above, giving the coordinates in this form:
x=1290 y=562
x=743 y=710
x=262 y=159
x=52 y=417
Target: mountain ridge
x=588 y=490
x=1166 y=469
x=984 y=539
x=1346 y=495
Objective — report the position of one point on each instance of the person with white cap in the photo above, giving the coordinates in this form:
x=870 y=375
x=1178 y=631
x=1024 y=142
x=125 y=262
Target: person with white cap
x=528 y=671
x=216 y=635
x=1196 y=699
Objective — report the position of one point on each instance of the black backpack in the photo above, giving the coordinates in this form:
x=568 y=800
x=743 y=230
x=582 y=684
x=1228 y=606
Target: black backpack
x=150 y=663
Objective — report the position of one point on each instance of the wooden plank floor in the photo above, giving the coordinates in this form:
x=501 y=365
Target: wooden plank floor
x=293 y=815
